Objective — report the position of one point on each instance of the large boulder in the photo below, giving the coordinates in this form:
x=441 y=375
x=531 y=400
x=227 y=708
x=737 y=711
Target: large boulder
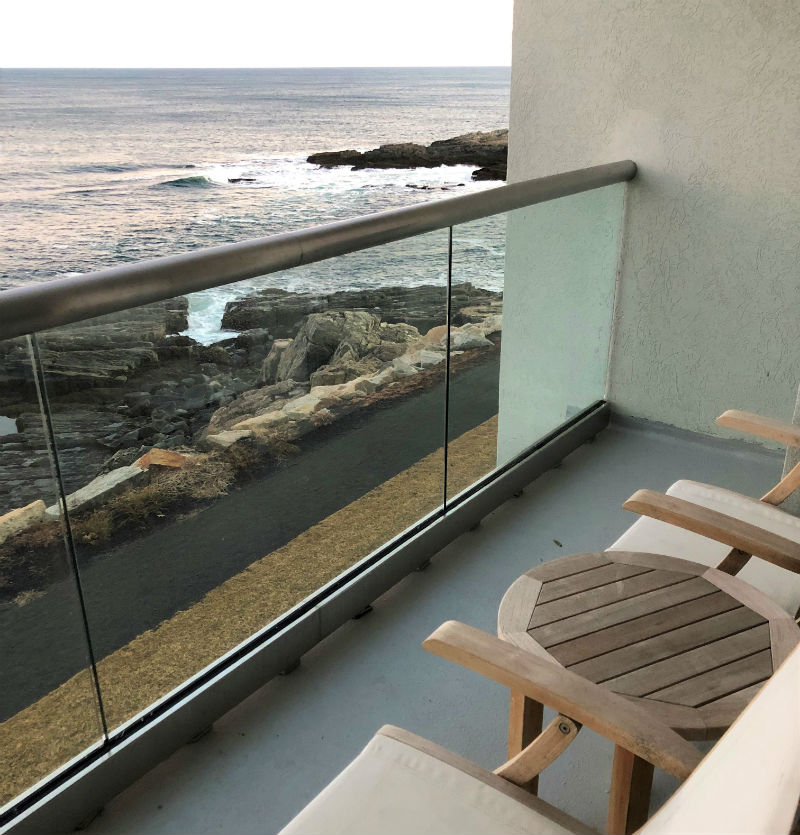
x=337 y=346
x=334 y=337
x=269 y=368
x=277 y=311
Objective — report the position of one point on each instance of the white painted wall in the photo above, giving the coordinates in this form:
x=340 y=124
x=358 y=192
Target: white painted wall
x=705 y=96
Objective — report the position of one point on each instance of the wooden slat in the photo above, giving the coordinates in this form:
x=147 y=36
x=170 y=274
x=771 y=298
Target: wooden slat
x=566 y=586
x=632 y=657
x=624 y=610
x=719 y=714
x=595 y=599
x=517 y=604
x=785 y=636
x=656 y=623
x=689 y=665
x=657 y=561
x=566 y=566
x=720 y=682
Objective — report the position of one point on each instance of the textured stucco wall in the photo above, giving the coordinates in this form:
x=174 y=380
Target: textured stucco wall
x=704 y=95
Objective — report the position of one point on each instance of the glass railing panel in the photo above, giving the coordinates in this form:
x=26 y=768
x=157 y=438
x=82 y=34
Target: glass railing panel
x=560 y=282
x=49 y=712
x=545 y=358
x=226 y=475
x=476 y=319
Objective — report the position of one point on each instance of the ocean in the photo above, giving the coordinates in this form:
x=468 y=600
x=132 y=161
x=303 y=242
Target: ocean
x=101 y=167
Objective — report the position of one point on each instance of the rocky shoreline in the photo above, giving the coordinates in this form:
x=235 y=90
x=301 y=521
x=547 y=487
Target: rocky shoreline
x=488 y=150
x=149 y=422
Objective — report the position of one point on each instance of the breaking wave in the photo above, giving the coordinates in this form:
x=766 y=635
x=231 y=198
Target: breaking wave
x=189 y=182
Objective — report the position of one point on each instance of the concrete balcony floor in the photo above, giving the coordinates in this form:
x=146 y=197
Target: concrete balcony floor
x=266 y=758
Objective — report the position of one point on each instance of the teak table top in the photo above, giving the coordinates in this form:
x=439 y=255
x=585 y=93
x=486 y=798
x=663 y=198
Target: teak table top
x=694 y=643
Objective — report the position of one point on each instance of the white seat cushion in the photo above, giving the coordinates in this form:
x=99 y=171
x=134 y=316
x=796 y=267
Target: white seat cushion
x=393 y=787
x=654 y=537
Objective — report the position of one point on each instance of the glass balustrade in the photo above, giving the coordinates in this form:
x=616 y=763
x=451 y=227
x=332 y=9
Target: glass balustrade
x=223 y=456
x=217 y=478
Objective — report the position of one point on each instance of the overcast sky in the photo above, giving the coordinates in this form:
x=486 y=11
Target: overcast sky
x=254 y=33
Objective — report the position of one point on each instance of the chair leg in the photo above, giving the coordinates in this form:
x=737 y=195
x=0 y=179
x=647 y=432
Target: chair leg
x=629 y=798
x=525 y=718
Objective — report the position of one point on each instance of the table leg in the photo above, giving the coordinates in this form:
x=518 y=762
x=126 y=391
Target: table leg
x=524 y=725
x=629 y=798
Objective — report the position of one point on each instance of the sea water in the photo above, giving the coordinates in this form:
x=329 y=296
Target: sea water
x=101 y=167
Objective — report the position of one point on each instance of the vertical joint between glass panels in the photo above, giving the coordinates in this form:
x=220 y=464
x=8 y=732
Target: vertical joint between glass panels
x=447 y=363
x=41 y=390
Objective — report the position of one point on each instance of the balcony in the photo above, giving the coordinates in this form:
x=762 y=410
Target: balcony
x=186 y=520
x=268 y=757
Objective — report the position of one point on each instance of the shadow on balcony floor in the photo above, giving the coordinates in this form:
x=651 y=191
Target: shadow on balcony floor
x=265 y=759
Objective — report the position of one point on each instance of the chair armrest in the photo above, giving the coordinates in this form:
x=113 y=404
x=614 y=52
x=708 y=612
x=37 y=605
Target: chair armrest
x=616 y=718
x=764 y=427
x=715 y=525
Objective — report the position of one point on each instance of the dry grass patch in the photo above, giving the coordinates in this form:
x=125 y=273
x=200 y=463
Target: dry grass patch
x=41 y=737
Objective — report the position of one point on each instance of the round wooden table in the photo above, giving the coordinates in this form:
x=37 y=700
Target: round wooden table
x=690 y=644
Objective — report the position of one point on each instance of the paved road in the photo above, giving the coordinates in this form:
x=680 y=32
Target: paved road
x=134 y=586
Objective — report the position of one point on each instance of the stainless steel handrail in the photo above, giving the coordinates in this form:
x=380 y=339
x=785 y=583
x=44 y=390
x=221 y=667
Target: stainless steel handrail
x=37 y=307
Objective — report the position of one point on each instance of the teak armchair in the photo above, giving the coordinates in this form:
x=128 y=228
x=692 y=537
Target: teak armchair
x=401 y=783
x=706 y=525
x=691 y=540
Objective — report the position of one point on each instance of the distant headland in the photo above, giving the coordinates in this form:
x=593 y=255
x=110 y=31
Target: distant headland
x=486 y=149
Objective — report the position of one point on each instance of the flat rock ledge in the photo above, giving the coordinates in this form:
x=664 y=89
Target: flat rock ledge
x=486 y=149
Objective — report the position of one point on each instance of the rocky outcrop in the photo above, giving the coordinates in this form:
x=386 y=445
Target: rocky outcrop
x=127 y=391
x=497 y=171
x=338 y=346
x=424 y=307
x=488 y=150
